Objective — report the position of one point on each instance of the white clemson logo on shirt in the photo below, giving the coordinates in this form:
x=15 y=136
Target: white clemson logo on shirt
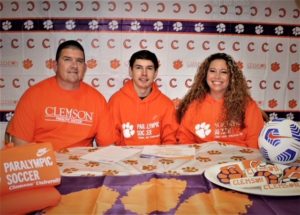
x=202 y=129
x=127 y=130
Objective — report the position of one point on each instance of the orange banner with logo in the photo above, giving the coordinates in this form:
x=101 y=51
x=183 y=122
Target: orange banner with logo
x=28 y=166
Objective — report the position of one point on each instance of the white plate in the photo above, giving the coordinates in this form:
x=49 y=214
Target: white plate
x=211 y=175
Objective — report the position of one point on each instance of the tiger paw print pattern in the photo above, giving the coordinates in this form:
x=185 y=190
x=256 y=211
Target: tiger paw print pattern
x=131 y=162
x=70 y=170
x=229 y=172
x=166 y=161
x=247 y=151
x=189 y=169
x=172 y=172
x=64 y=151
x=149 y=168
x=238 y=158
x=92 y=164
x=203 y=159
x=271 y=178
x=214 y=152
x=272 y=173
x=74 y=157
x=111 y=172
x=291 y=174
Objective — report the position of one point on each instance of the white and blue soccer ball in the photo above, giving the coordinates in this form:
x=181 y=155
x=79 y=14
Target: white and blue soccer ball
x=279 y=141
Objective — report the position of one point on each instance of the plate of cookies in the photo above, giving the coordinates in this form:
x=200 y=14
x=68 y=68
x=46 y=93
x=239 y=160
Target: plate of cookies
x=256 y=177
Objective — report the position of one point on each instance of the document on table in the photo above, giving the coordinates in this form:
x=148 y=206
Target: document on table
x=183 y=152
x=110 y=154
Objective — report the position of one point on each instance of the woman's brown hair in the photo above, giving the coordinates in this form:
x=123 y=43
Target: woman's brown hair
x=236 y=96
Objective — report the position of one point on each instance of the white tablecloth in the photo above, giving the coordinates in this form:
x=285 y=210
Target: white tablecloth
x=207 y=154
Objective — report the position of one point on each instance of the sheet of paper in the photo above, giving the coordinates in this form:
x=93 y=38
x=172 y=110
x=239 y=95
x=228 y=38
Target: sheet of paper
x=169 y=152
x=110 y=154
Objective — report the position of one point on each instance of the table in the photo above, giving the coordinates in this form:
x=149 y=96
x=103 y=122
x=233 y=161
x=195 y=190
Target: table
x=207 y=154
x=159 y=186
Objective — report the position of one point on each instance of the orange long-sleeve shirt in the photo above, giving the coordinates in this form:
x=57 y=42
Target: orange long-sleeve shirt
x=147 y=121
x=200 y=124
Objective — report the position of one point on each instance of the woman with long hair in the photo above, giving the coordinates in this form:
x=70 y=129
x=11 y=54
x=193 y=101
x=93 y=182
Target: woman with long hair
x=219 y=107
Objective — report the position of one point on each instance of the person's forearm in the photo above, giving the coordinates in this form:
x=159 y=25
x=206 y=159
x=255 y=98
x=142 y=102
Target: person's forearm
x=17 y=141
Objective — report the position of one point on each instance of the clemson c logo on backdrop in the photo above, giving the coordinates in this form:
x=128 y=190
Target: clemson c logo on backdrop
x=28 y=166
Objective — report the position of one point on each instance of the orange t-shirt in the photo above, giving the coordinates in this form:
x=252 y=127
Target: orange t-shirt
x=147 y=121
x=47 y=113
x=201 y=124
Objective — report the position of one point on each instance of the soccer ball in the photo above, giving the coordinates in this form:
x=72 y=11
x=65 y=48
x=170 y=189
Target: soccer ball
x=279 y=141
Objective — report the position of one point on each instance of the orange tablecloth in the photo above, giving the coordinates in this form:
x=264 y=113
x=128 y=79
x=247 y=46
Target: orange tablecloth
x=159 y=186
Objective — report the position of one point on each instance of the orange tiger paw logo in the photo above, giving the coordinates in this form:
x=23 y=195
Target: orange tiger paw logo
x=275 y=66
x=291 y=174
x=295 y=67
x=115 y=63
x=229 y=172
x=74 y=157
x=92 y=149
x=64 y=151
x=238 y=158
x=222 y=144
x=246 y=151
x=195 y=146
x=110 y=172
x=271 y=178
x=214 y=152
x=177 y=64
x=27 y=64
x=149 y=167
x=91 y=64
x=50 y=63
x=190 y=169
x=60 y=164
x=203 y=159
x=131 y=162
x=92 y=164
x=272 y=103
x=89 y=174
x=172 y=172
x=70 y=170
x=292 y=103
x=166 y=161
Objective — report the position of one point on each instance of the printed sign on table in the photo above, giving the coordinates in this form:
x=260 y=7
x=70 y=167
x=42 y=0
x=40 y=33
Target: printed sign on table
x=28 y=166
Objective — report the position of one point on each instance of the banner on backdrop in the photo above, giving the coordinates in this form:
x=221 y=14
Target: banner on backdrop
x=262 y=36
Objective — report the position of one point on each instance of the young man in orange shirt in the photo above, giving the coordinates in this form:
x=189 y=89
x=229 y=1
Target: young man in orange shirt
x=142 y=114
x=62 y=109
